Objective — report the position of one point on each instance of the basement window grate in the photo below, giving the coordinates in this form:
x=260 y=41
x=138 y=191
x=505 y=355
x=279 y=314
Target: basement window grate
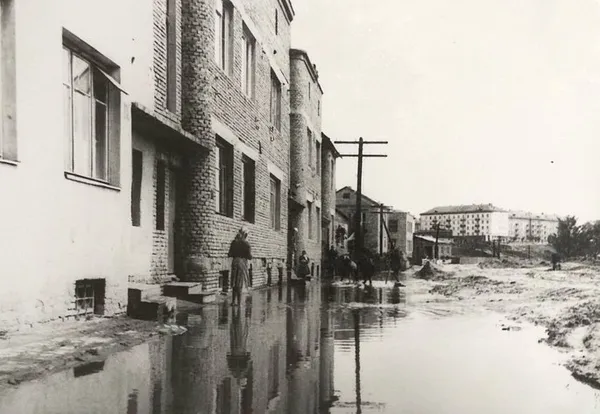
x=89 y=297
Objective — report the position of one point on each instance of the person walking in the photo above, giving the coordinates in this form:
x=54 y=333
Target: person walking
x=396 y=263
x=303 y=265
x=332 y=260
x=241 y=252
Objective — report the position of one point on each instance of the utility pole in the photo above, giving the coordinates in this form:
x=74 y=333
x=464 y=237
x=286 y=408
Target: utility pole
x=380 y=229
x=436 y=253
x=358 y=236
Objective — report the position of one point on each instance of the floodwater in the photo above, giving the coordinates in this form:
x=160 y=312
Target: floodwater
x=321 y=349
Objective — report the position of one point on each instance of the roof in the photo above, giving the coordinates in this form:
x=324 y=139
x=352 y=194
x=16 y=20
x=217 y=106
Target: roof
x=341 y=213
x=348 y=188
x=329 y=143
x=312 y=69
x=527 y=215
x=432 y=239
x=470 y=208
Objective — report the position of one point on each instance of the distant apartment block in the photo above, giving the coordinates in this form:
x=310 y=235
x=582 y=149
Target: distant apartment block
x=525 y=226
x=483 y=220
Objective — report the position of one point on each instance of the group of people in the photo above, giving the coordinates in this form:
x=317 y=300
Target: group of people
x=344 y=266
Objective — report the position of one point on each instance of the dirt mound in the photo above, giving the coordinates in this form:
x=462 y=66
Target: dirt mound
x=582 y=314
x=506 y=263
x=479 y=284
x=431 y=272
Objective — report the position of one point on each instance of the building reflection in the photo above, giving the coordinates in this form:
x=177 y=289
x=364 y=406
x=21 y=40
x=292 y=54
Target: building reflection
x=273 y=354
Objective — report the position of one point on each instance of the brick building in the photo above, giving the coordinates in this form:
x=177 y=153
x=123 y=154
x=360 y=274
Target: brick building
x=236 y=75
x=374 y=234
x=161 y=138
x=329 y=157
x=305 y=208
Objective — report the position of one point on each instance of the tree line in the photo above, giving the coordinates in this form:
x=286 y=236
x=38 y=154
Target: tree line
x=574 y=240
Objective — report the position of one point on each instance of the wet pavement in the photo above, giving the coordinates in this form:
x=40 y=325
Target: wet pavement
x=321 y=349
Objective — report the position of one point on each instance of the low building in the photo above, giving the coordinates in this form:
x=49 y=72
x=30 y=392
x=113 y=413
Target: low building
x=401 y=226
x=480 y=220
x=425 y=247
x=529 y=227
x=374 y=234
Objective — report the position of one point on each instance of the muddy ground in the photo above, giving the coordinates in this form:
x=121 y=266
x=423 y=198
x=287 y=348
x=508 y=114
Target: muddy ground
x=566 y=302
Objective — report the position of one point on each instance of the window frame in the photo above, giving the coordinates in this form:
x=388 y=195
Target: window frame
x=309 y=219
x=248 y=189
x=110 y=167
x=224 y=35
x=136 y=187
x=275 y=101
x=318 y=156
x=275 y=202
x=248 y=77
x=224 y=177
x=161 y=195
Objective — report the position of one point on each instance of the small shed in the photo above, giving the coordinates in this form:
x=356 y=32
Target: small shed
x=424 y=247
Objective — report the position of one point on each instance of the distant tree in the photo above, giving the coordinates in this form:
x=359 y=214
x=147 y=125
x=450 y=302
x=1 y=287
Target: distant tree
x=590 y=239
x=567 y=240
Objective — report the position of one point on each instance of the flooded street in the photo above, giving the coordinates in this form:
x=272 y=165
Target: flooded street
x=321 y=349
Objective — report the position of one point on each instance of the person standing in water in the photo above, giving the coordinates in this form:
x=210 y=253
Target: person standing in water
x=303 y=265
x=241 y=252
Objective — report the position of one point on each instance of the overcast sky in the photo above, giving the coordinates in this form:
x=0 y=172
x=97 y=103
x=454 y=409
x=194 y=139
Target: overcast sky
x=483 y=101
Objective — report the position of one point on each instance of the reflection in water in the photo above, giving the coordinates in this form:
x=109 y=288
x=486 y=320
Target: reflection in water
x=309 y=350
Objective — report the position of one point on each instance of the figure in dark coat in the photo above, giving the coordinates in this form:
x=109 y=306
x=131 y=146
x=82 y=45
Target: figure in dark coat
x=241 y=252
x=303 y=265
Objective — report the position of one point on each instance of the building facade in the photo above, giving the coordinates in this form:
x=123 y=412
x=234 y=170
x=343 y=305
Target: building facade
x=374 y=234
x=306 y=204
x=480 y=220
x=172 y=133
x=401 y=226
x=530 y=227
x=64 y=159
x=328 y=161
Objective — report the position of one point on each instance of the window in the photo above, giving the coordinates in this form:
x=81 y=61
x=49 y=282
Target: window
x=91 y=106
x=275 y=101
x=309 y=90
x=160 y=195
x=393 y=225
x=318 y=222
x=275 y=203
x=276 y=21
x=310 y=219
x=310 y=147
x=318 y=157
x=346 y=196
x=319 y=108
x=136 y=187
x=223 y=35
x=224 y=176
x=171 y=26
x=248 y=63
x=249 y=180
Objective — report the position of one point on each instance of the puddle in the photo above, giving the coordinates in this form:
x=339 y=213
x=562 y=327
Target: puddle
x=338 y=349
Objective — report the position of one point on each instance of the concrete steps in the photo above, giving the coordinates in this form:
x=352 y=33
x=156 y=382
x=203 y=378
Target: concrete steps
x=190 y=291
x=146 y=302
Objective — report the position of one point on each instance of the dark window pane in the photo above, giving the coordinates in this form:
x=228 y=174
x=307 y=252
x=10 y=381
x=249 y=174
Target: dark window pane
x=136 y=187
x=160 y=195
x=101 y=144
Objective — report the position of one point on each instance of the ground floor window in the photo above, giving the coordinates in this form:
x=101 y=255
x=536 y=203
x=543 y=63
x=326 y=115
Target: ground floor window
x=275 y=201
